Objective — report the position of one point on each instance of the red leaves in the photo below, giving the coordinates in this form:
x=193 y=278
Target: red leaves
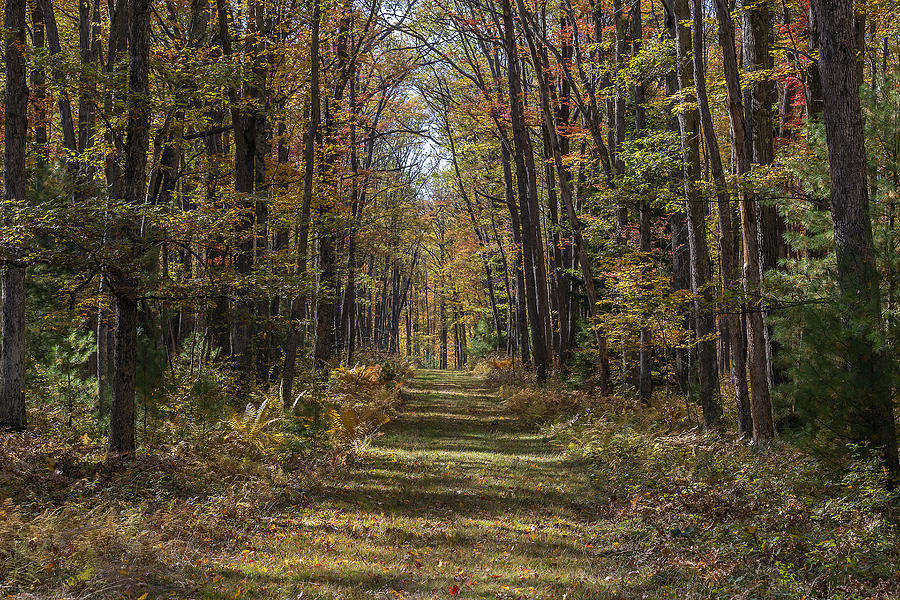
x=454 y=590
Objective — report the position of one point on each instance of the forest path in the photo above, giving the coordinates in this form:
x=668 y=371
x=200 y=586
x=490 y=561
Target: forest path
x=454 y=499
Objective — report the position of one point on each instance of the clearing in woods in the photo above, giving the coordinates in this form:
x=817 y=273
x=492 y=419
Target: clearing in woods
x=455 y=499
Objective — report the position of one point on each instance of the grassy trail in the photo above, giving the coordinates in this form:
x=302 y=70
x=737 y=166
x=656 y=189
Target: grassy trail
x=454 y=499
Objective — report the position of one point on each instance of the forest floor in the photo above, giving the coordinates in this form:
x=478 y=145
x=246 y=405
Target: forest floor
x=455 y=497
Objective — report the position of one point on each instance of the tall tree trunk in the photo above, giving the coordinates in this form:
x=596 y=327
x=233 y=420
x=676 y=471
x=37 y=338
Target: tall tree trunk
x=521 y=317
x=245 y=119
x=869 y=404
x=326 y=294
x=125 y=284
x=65 y=106
x=298 y=303
x=760 y=128
x=39 y=89
x=694 y=202
x=681 y=270
x=443 y=334
x=567 y=197
x=727 y=251
x=760 y=402
x=535 y=274
x=325 y=300
x=645 y=359
x=12 y=355
x=815 y=96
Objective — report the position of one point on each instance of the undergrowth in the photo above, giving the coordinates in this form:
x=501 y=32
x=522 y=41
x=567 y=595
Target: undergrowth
x=75 y=524
x=742 y=521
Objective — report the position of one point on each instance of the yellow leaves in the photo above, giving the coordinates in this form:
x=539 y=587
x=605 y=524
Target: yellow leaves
x=349 y=425
x=257 y=426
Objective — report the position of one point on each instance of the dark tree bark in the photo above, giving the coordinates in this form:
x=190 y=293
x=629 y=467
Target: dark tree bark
x=65 y=106
x=760 y=130
x=325 y=300
x=815 y=97
x=645 y=357
x=39 y=89
x=567 y=197
x=521 y=317
x=12 y=356
x=870 y=406
x=248 y=123
x=298 y=303
x=535 y=273
x=124 y=277
x=443 y=334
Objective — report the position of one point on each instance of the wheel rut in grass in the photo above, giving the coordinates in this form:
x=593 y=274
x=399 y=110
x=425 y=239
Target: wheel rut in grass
x=455 y=498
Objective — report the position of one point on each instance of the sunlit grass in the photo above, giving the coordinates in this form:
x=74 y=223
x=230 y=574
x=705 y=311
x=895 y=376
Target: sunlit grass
x=453 y=494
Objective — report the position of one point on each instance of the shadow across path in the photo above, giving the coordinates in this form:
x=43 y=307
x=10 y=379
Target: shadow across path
x=455 y=497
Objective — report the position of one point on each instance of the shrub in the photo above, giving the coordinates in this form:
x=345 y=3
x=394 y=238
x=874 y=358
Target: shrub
x=361 y=400
x=497 y=370
x=351 y=425
x=540 y=405
x=772 y=515
x=258 y=428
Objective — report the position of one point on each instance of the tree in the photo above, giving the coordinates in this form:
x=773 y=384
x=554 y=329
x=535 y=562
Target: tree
x=727 y=251
x=868 y=401
x=12 y=359
x=760 y=401
x=688 y=118
x=302 y=234
x=124 y=281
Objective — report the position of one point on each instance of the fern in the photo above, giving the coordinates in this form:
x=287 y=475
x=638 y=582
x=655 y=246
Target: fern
x=257 y=427
x=352 y=425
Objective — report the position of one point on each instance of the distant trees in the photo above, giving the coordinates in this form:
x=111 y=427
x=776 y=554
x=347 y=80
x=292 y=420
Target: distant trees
x=264 y=189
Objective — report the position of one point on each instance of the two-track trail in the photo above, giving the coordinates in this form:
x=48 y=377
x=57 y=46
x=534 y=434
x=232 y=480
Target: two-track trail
x=454 y=499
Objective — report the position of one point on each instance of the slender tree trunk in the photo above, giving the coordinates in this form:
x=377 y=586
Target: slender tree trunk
x=737 y=356
x=645 y=366
x=521 y=317
x=298 y=303
x=65 y=105
x=443 y=335
x=758 y=100
x=325 y=301
x=103 y=351
x=700 y=269
x=566 y=194
x=815 y=96
x=39 y=89
x=760 y=402
x=535 y=274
